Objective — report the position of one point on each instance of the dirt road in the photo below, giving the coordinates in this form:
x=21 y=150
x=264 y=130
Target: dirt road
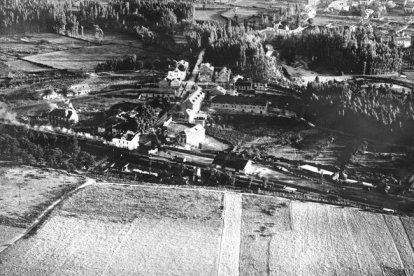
x=230 y=238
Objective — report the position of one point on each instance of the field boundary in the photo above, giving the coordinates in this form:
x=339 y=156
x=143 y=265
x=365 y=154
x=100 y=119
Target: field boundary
x=44 y=214
x=229 y=255
x=406 y=233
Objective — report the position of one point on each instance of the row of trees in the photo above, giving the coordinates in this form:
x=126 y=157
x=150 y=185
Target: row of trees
x=359 y=51
x=130 y=62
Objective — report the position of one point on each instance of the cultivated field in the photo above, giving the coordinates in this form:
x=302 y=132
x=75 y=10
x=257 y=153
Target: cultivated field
x=89 y=56
x=26 y=191
x=315 y=239
x=209 y=15
x=124 y=231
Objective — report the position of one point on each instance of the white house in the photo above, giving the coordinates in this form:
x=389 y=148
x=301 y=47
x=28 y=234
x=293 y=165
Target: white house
x=128 y=140
x=194 y=100
x=50 y=94
x=206 y=72
x=177 y=74
x=79 y=89
x=338 y=5
x=193 y=136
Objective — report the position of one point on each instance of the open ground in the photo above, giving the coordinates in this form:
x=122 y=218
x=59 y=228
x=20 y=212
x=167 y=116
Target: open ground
x=111 y=229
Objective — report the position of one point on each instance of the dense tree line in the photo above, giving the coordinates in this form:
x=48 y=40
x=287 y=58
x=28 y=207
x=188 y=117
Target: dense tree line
x=121 y=14
x=359 y=51
x=130 y=62
x=238 y=47
x=378 y=105
x=25 y=146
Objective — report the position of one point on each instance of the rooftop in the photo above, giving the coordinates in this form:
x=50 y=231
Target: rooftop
x=238 y=100
x=230 y=161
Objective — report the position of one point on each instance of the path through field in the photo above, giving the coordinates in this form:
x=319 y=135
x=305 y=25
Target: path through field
x=230 y=238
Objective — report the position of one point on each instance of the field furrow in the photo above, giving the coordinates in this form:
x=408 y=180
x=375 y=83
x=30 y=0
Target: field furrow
x=401 y=240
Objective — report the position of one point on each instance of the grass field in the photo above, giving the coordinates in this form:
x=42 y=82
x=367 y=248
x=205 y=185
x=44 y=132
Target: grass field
x=26 y=191
x=124 y=231
x=323 y=240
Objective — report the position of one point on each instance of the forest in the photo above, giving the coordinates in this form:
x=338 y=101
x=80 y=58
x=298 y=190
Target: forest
x=359 y=51
x=237 y=47
x=374 y=108
x=117 y=15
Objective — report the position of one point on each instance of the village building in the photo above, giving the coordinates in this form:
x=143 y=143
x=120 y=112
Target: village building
x=63 y=117
x=240 y=104
x=177 y=74
x=167 y=94
x=232 y=163
x=193 y=136
x=206 y=72
x=222 y=77
x=50 y=94
x=128 y=140
x=78 y=90
x=243 y=85
x=402 y=41
x=194 y=100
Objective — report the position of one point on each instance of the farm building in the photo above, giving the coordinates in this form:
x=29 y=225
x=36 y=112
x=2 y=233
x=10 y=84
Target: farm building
x=128 y=140
x=240 y=104
x=78 y=90
x=193 y=136
x=63 y=117
x=206 y=72
x=194 y=100
x=232 y=163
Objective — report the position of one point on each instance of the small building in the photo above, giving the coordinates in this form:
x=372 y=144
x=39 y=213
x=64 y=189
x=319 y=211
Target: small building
x=63 y=117
x=218 y=90
x=50 y=94
x=243 y=85
x=168 y=94
x=240 y=104
x=206 y=72
x=403 y=41
x=193 y=136
x=79 y=90
x=177 y=74
x=222 y=77
x=194 y=100
x=232 y=163
x=128 y=140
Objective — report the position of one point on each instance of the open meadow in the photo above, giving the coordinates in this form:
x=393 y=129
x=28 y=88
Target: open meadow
x=26 y=191
x=124 y=231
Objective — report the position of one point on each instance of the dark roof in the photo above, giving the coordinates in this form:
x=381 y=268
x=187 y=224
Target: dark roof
x=243 y=82
x=230 y=161
x=60 y=112
x=238 y=100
